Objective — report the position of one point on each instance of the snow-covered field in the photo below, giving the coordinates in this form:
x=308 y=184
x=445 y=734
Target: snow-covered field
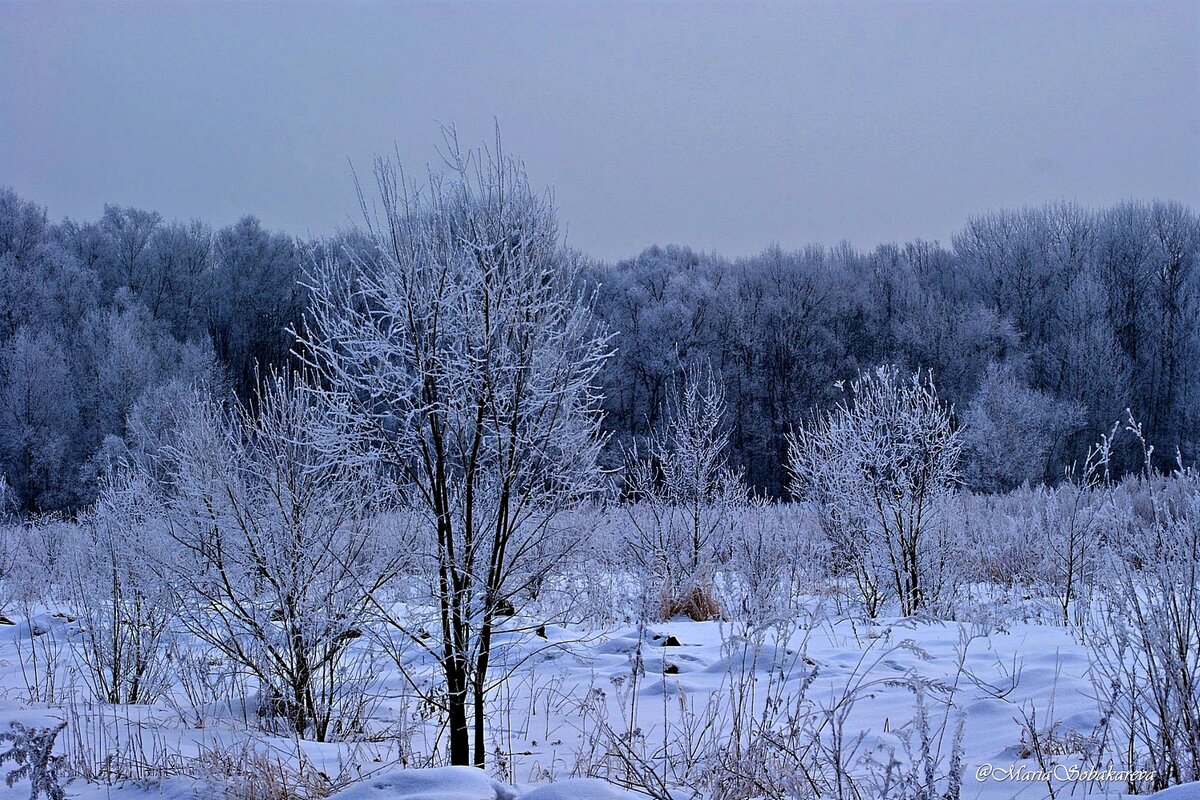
x=258 y=627
x=666 y=695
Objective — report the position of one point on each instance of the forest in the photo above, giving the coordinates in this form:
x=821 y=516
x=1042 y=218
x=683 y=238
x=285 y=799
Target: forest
x=1040 y=326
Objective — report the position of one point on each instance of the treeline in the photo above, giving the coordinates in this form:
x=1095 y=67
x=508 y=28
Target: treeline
x=1040 y=325
x=103 y=324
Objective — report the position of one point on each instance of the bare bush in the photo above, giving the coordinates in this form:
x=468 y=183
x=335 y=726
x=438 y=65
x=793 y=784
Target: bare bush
x=878 y=465
x=1145 y=662
x=274 y=556
x=125 y=610
x=683 y=494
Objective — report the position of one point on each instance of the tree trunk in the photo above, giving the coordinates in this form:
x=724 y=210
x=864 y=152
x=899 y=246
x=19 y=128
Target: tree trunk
x=456 y=711
x=481 y=668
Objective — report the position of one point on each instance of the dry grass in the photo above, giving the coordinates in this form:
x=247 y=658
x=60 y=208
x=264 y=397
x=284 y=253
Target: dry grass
x=697 y=603
x=1057 y=741
x=244 y=773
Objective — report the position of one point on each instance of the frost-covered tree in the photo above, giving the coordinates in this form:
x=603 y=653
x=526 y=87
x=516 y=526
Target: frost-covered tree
x=778 y=353
x=664 y=303
x=39 y=420
x=1145 y=263
x=1011 y=431
x=463 y=357
x=45 y=289
x=273 y=554
x=127 y=232
x=130 y=353
x=82 y=349
x=877 y=465
x=1094 y=375
x=683 y=494
x=8 y=503
x=181 y=261
x=125 y=608
x=254 y=300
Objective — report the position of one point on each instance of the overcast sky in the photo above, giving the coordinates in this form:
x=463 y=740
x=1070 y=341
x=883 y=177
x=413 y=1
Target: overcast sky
x=723 y=126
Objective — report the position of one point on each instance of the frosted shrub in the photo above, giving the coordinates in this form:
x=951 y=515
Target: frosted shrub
x=1073 y=519
x=32 y=586
x=1002 y=559
x=32 y=751
x=684 y=493
x=775 y=557
x=1070 y=519
x=1145 y=659
x=273 y=554
x=38 y=557
x=124 y=608
x=878 y=466
x=605 y=588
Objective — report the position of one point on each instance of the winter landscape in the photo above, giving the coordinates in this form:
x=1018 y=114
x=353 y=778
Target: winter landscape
x=438 y=504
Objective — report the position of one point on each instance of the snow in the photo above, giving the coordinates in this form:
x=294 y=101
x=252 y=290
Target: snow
x=468 y=783
x=443 y=783
x=577 y=789
x=1020 y=668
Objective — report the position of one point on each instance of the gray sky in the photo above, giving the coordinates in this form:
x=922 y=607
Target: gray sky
x=724 y=127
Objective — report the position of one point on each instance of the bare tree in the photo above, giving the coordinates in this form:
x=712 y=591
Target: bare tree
x=878 y=464
x=683 y=492
x=126 y=609
x=464 y=356
x=274 y=554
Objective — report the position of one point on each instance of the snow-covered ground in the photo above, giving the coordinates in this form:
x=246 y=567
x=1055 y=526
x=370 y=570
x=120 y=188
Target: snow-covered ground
x=665 y=695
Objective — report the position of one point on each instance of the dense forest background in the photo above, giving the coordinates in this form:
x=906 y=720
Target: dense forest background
x=1040 y=325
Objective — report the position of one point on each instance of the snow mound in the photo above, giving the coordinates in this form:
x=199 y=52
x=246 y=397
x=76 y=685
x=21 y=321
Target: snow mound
x=468 y=783
x=1184 y=791
x=441 y=783
x=576 y=789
